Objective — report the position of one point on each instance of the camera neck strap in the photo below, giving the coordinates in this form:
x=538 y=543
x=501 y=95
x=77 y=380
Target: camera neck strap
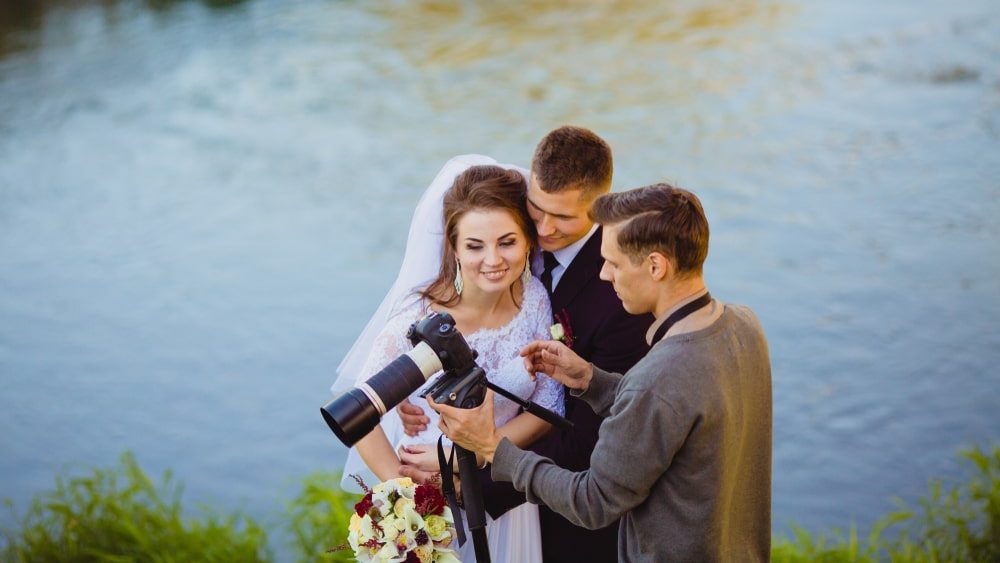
x=679 y=314
x=448 y=487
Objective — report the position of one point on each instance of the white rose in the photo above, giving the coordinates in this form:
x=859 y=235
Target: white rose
x=557 y=331
x=401 y=504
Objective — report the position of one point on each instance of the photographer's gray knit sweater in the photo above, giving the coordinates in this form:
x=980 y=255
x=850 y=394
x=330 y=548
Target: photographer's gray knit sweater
x=684 y=453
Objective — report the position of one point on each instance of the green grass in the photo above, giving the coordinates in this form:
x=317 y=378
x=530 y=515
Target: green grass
x=960 y=523
x=119 y=515
x=318 y=518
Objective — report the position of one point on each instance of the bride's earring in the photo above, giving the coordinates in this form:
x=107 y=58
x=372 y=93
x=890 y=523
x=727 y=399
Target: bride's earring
x=459 y=285
x=526 y=276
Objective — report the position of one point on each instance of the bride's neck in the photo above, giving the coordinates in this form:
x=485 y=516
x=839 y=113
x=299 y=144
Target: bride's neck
x=485 y=304
x=477 y=309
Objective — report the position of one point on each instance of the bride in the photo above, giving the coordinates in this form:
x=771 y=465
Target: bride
x=468 y=254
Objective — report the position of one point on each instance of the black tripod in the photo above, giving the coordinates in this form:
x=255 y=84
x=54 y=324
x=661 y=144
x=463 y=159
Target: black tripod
x=475 y=508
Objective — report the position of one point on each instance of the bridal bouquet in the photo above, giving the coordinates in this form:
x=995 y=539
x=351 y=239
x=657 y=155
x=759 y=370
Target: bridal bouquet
x=400 y=522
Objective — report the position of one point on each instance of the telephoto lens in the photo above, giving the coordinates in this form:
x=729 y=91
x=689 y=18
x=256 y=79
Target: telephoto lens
x=357 y=412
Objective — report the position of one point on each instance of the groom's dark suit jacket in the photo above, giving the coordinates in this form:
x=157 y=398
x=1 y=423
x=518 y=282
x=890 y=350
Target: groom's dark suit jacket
x=610 y=338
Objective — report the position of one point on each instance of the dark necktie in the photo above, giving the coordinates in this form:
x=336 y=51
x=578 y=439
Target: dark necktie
x=550 y=264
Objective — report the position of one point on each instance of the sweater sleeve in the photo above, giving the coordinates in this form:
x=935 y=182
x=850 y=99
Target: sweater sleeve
x=618 y=479
x=600 y=395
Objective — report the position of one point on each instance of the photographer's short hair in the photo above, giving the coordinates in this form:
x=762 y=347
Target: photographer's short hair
x=573 y=158
x=658 y=218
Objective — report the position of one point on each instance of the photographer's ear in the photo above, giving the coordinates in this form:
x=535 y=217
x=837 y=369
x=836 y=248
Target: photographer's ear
x=659 y=266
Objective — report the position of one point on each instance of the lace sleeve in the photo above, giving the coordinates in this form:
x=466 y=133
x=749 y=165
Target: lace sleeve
x=390 y=343
x=548 y=393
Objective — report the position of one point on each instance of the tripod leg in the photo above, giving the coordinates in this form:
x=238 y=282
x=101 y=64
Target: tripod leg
x=475 y=509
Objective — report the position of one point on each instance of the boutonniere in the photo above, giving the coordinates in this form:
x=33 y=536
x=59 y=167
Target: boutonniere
x=562 y=331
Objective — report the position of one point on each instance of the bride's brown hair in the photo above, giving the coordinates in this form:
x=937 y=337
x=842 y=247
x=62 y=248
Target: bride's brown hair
x=480 y=188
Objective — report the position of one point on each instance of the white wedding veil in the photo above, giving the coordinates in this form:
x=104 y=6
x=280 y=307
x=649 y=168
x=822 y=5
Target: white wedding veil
x=421 y=263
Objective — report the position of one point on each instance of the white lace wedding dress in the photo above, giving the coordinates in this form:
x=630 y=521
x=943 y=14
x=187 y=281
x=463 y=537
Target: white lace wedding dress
x=515 y=536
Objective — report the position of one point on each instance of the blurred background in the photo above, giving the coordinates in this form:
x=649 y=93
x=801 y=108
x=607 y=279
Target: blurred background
x=201 y=203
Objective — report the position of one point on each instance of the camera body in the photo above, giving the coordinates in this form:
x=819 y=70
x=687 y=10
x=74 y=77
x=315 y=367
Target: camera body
x=437 y=346
x=463 y=383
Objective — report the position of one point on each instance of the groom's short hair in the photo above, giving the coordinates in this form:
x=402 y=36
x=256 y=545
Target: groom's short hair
x=573 y=158
x=657 y=218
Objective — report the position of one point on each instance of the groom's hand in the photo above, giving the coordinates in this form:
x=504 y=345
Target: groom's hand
x=414 y=420
x=557 y=361
x=473 y=429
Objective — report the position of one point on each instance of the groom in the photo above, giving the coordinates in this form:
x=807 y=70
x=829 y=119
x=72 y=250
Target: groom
x=571 y=168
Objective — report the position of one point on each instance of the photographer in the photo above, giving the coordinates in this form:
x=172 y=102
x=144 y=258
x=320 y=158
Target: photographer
x=684 y=453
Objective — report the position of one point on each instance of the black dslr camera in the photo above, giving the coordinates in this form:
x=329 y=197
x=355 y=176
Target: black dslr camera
x=437 y=346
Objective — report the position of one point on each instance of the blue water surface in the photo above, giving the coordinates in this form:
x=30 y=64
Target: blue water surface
x=201 y=205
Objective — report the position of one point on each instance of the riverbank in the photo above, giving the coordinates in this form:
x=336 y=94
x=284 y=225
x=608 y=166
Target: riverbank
x=121 y=513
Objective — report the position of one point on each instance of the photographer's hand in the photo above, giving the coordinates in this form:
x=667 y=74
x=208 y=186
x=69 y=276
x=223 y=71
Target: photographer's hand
x=473 y=429
x=413 y=417
x=557 y=361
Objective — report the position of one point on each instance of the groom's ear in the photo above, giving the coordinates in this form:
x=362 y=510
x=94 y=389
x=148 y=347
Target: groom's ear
x=658 y=266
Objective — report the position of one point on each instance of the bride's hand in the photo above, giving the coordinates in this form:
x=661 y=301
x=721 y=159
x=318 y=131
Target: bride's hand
x=419 y=477
x=422 y=457
x=420 y=462
x=413 y=417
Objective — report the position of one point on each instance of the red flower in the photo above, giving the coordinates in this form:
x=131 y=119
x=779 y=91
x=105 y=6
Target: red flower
x=364 y=506
x=373 y=544
x=567 y=329
x=360 y=482
x=422 y=537
x=428 y=500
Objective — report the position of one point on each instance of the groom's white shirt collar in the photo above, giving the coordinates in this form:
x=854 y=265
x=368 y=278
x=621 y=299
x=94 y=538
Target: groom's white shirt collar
x=564 y=256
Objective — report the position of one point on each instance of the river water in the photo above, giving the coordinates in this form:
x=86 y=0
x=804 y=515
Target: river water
x=202 y=202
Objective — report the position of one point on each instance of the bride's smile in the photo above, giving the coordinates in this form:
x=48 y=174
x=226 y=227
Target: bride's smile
x=496 y=275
